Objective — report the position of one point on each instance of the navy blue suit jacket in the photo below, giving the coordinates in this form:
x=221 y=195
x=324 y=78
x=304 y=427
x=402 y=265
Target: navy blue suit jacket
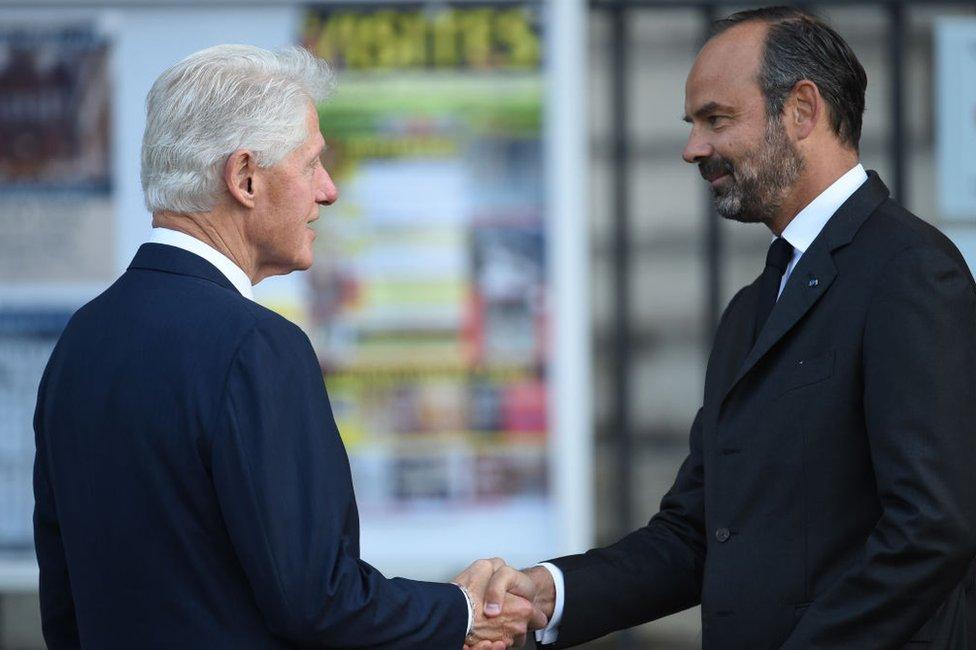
x=191 y=488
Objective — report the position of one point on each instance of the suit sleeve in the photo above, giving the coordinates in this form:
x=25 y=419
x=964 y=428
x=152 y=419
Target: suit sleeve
x=650 y=573
x=282 y=479
x=919 y=364
x=58 y=623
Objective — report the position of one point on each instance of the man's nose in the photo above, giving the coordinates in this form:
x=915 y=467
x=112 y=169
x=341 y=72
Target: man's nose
x=328 y=193
x=697 y=148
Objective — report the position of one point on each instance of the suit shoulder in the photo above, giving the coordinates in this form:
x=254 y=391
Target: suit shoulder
x=192 y=313
x=280 y=334
x=894 y=232
x=270 y=321
x=264 y=320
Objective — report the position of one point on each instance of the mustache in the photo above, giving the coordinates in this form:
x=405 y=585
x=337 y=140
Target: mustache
x=715 y=166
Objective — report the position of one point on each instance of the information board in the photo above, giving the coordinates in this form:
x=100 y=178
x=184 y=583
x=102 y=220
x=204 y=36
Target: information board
x=57 y=221
x=55 y=189
x=428 y=305
x=447 y=302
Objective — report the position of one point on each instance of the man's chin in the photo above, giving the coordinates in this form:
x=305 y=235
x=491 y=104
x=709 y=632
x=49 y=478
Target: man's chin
x=728 y=207
x=298 y=263
x=737 y=215
x=722 y=189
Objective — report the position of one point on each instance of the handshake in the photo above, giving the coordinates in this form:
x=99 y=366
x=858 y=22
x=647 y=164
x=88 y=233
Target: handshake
x=507 y=603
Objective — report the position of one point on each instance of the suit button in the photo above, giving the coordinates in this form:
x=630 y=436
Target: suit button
x=722 y=535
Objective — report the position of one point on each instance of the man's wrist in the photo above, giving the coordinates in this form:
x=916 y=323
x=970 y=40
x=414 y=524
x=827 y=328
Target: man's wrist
x=470 y=603
x=547 y=585
x=545 y=597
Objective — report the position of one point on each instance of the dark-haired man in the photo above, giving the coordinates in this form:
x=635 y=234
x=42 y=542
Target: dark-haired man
x=829 y=498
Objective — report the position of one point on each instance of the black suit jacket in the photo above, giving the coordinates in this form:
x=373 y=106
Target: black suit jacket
x=191 y=488
x=829 y=497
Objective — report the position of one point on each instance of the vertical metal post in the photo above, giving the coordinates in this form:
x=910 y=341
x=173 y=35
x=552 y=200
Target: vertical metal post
x=566 y=154
x=621 y=268
x=713 y=232
x=898 y=134
x=623 y=493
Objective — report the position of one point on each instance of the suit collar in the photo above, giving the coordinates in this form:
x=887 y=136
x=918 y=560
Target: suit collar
x=849 y=218
x=803 y=229
x=815 y=271
x=170 y=259
x=224 y=264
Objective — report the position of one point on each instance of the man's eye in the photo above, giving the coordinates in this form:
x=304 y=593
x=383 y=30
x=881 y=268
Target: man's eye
x=716 y=120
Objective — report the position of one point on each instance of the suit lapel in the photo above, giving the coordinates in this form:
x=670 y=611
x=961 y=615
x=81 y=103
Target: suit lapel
x=814 y=273
x=809 y=281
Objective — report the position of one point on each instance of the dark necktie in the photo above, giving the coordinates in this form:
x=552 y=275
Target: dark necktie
x=777 y=259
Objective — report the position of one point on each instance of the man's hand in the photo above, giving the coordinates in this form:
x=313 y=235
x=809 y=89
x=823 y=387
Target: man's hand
x=543 y=591
x=506 y=621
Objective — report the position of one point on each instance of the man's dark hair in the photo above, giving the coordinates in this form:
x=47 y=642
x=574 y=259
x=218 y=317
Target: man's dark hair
x=801 y=46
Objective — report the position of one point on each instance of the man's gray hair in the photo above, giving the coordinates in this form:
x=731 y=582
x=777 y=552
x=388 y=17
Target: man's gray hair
x=215 y=102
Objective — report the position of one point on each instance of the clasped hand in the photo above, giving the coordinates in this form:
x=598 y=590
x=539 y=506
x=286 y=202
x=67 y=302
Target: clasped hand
x=506 y=604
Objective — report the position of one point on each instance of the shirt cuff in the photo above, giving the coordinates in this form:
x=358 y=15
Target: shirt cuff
x=550 y=632
x=467 y=599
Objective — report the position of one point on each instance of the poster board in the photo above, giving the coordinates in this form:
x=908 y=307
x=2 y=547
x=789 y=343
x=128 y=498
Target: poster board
x=524 y=361
x=57 y=221
x=429 y=302
x=55 y=171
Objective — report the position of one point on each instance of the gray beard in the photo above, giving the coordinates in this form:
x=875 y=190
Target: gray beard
x=762 y=180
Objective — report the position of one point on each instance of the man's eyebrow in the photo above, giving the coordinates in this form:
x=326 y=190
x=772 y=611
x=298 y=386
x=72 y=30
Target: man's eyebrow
x=708 y=108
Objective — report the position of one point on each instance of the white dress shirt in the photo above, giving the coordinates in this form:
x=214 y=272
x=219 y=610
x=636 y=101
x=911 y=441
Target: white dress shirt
x=800 y=233
x=231 y=271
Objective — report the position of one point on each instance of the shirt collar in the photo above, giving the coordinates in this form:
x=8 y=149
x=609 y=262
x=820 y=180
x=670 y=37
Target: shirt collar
x=193 y=245
x=808 y=223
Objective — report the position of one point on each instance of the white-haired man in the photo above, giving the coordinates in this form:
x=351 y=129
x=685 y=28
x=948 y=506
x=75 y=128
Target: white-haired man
x=191 y=488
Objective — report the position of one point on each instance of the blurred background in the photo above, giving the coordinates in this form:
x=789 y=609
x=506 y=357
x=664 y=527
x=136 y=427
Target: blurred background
x=513 y=299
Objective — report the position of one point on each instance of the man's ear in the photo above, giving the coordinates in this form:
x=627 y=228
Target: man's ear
x=804 y=109
x=239 y=176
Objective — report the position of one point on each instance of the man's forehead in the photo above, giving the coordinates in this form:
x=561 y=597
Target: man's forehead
x=735 y=52
x=727 y=65
x=315 y=138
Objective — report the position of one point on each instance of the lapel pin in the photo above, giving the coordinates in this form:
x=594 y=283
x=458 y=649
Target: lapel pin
x=813 y=282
